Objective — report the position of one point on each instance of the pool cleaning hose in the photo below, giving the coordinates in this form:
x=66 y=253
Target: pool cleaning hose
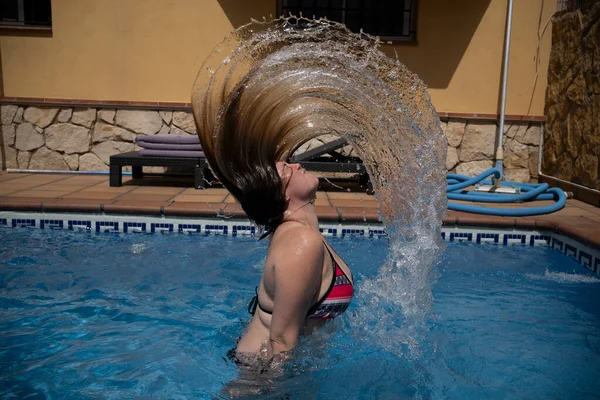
x=529 y=192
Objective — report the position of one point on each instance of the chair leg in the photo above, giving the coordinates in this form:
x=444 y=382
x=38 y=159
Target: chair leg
x=116 y=175
x=199 y=177
x=137 y=172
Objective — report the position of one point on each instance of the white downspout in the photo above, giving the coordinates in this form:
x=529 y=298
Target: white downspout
x=499 y=151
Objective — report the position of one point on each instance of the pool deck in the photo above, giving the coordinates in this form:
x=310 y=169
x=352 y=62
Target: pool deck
x=172 y=196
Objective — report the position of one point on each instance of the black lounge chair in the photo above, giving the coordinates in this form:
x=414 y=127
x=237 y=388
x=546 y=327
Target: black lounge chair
x=312 y=160
x=138 y=161
x=315 y=160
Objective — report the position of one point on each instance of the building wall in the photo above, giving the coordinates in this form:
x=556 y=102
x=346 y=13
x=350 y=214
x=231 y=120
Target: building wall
x=150 y=50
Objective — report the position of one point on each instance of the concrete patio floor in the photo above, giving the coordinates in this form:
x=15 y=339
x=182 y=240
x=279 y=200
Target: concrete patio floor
x=172 y=196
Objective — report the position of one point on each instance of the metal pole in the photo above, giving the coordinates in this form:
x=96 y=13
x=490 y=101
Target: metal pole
x=499 y=151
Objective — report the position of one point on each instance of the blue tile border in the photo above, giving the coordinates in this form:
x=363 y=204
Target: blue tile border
x=488 y=238
x=51 y=224
x=107 y=226
x=79 y=225
x=586 y=256
x=23 y=223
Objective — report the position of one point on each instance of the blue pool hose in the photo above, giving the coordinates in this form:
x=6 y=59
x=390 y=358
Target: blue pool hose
x=529 y=192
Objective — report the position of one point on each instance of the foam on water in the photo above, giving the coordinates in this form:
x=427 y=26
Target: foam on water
x=563 y=277
x=306 y=78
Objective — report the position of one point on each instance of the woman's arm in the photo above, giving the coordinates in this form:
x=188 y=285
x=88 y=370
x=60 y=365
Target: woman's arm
x=298 y=270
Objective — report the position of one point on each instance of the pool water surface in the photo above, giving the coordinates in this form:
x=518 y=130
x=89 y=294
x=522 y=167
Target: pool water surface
x=86 y=316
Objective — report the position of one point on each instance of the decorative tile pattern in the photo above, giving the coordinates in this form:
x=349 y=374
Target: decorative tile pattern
x=461 y=237
x=243 y=230
x=571 y=251
x=23 y=223
x=557 y=244
x=328 y=231
x=51 y=224
x=378 y=233
x=585 y=259
x=161 y=227
x=190 y=228
x=353 y=232
x=488 y=238
x=539 y=240
x=136 y=227
x=514 y=239
x=215 y=229
x=586 y=256
x=107 y=226
x=79 y=225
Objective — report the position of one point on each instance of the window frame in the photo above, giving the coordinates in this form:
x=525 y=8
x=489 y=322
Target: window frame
x=410 y=38
x=20 y=22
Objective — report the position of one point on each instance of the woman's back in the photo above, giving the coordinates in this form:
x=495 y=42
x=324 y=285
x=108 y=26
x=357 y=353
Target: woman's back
x=298 y=272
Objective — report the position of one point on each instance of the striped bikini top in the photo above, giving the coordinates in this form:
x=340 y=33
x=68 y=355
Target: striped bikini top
x=335 y=301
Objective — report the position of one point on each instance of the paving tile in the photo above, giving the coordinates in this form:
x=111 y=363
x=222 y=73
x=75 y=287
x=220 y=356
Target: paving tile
x=85 y=179
x=343 y=195
x=74 y=205
x=157 y=190
x=58 y=186
x=209 y=191
x=194 y=209
x=107 y=189
x=21 y=203
x=327 y=213
x=91 y=195
x=186 y=198
x=39 y=193
x=230 y=199
x=323 y=202
x=358 y=214
x=43 y=178
x=154 y=197
x=136 y=207
x=354 y=203
x=234 y=211
x=18 y=185
x=5 y=176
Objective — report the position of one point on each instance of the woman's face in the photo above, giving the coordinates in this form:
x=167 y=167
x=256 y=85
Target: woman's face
x=300 y=185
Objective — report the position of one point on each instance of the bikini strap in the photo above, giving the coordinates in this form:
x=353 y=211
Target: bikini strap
x=253 y=302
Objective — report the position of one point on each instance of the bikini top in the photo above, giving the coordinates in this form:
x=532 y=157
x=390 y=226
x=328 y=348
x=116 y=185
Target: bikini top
x=335 y=301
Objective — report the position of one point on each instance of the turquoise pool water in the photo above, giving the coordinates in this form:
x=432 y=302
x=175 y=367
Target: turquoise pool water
x=86 y=316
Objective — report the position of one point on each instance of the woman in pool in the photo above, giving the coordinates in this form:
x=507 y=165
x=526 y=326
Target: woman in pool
x=244 y=136
x=304 y=281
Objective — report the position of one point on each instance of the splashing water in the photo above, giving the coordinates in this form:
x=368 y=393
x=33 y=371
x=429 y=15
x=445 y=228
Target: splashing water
x=315 y=77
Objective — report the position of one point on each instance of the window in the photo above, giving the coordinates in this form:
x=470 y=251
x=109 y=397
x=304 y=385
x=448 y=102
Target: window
x=388 y=19
x=17 y=13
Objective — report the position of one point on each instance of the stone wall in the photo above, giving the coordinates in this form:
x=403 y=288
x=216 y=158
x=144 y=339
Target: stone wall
x=572 y=134
x=83 y=139
x=79 y=139
x=471 y=148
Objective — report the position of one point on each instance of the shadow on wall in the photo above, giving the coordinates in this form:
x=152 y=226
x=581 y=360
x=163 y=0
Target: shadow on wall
x=239 y=12
x=444 y=31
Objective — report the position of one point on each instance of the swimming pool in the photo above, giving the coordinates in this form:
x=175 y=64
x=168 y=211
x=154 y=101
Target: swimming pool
x=86 y=315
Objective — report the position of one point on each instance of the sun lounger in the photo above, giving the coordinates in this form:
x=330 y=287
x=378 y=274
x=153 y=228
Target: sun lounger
x=161 y=151
x=315 y=160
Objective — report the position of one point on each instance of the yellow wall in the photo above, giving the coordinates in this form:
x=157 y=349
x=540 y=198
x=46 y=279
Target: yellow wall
x=150 y=50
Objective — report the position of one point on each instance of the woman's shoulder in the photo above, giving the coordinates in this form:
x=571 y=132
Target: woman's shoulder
x=291 y=231
x=296 y=238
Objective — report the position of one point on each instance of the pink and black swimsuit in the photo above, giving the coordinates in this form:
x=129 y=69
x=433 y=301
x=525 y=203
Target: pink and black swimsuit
x=335 y=301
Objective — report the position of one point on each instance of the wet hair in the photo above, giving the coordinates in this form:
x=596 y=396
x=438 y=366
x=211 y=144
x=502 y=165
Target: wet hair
x=244 y=162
